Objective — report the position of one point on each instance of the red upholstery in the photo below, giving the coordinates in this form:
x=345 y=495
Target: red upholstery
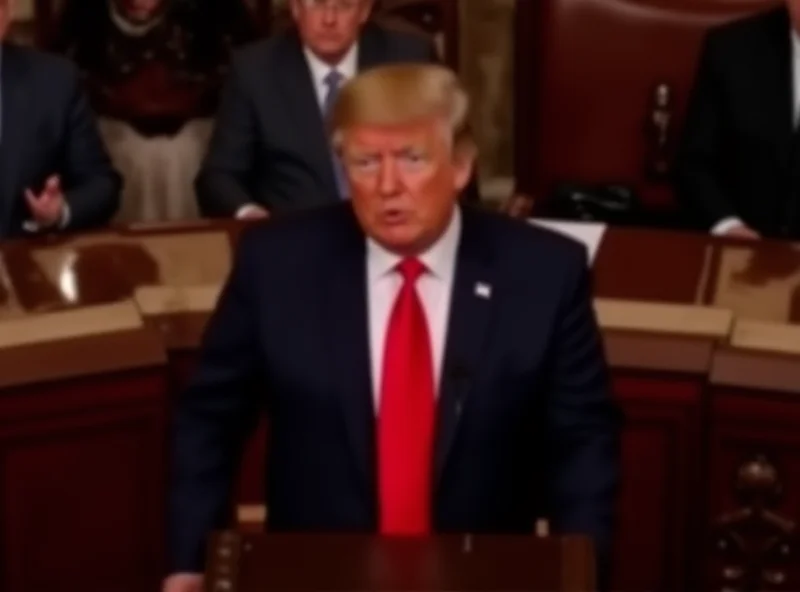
x=586 y=74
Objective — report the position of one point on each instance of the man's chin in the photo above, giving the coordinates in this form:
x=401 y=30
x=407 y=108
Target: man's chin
x=331 y=51
x=403 y=241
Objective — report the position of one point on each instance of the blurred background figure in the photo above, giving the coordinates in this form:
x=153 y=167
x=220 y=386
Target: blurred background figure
x=153 y=69
x=739 y=163
x=55 y=173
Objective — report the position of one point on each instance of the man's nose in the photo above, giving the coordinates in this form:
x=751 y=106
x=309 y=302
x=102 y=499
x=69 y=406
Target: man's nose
x=389 y=180
x=330 y=15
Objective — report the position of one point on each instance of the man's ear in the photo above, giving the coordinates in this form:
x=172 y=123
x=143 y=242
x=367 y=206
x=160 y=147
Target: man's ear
x=366 y=10
x=464 y=163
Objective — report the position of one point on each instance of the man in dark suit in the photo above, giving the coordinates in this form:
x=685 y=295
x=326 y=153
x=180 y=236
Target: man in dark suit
x=269 y=151
x=54 y=171
x=426 y=366
x=738 y=165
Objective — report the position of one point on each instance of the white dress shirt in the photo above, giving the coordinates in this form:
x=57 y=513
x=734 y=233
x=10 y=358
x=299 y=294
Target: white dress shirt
x=347 y=67
x=434 y=288
x=726 y=224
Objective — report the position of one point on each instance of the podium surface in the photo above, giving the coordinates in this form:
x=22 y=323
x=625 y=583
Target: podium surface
x=250 y=562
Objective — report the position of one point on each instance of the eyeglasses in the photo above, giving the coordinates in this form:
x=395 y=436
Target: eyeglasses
x=340 y=5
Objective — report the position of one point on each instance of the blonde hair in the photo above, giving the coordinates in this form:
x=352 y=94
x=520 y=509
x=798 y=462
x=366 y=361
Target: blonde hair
x=400 y=94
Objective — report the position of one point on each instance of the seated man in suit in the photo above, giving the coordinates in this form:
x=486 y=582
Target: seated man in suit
x=55 y=173
x=426 y=365
x=269 y=151
x=738 y=166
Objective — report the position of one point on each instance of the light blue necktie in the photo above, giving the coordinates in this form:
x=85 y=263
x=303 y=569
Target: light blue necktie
x=333 y=81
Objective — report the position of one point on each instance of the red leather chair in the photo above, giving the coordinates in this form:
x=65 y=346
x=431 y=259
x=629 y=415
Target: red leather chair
x=587 y=74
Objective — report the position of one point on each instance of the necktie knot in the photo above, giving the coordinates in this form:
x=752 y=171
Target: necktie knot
x=411 y=269
x=332 y=80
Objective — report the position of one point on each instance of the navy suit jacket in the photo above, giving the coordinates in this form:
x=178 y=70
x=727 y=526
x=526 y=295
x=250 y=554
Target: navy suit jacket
x=48 y=129
x=526 y=426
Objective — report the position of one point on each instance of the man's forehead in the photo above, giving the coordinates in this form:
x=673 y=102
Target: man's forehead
x=368 y=134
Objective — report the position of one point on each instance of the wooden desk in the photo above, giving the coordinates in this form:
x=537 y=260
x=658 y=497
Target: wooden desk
x=759 y=281
x=82 y=433
x=669 y=305
x=649 y=265
x=353 y=563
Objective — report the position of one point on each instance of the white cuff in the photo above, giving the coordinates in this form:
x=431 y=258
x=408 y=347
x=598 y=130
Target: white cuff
x=724 y=225
x=66 y=215
x=246 y=209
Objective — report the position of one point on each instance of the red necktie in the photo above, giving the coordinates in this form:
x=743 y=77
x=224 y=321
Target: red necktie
x=405 y=421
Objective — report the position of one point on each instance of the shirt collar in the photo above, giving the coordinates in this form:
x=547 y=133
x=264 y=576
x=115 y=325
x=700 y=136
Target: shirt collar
x=347 y=67
x=439 y=258
x=795 y=42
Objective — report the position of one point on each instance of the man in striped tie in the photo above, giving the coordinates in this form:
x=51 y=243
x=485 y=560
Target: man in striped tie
x=426 y=366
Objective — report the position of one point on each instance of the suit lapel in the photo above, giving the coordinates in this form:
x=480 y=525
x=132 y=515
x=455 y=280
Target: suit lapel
x=12 y=136
x=300 y=99
x=346 y=314
x=471 y=310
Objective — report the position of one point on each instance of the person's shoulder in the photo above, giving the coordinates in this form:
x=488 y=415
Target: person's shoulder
x=310 y=233
x=257 y=55
x=740 y=32
x=40 y=65
x=398 y=44
x=520 y=241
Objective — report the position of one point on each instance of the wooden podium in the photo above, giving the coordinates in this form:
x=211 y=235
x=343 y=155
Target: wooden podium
x=245 y=562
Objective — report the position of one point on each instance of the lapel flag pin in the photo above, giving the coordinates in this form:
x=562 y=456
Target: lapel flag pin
x=483 y=290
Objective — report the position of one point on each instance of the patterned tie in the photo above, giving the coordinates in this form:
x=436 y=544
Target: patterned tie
x=405 y=421
x=333 y=80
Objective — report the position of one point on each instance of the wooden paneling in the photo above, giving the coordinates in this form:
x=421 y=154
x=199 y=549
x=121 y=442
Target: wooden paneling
x=81 y=464
x=660 y=470
x=754 y=500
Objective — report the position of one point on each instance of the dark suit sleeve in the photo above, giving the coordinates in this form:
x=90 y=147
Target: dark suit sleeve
x=221 y=184
x=583 y=423
x=212 y=420
x=698 y=162
x=92 y=186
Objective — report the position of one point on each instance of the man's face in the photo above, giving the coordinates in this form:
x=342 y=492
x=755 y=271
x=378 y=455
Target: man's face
x=330 y=27
x=404 y=182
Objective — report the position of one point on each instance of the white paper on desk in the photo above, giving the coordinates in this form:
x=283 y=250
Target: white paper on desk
x=588 y=233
